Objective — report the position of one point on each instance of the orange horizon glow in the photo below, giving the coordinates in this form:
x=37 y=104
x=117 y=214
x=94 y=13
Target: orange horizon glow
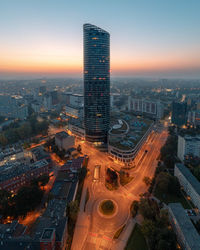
x=59 y=68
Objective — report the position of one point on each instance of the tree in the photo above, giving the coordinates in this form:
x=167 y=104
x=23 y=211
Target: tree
x=43 y=180
x=134 y=208
x=82 y=173
x=147 y=180
x=147 y=208
x=3 y=140
x=27 y=199
x=148 y=228
x=196 y=172
x=5 y=197
x=72 y=210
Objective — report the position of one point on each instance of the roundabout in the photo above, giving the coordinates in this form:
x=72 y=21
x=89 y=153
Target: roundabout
x=108 y=208
x=110 y=213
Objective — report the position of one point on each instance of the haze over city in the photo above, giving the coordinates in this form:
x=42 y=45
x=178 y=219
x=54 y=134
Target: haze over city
x=149 y=38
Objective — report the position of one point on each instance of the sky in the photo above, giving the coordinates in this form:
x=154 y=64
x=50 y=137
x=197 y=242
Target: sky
x=44 y=38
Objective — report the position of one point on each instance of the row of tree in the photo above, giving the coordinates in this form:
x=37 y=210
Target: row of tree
x=169 y=151
x=24 y=131
x=155 y=226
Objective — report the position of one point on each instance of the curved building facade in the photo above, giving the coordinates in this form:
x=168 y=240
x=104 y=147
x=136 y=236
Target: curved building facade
x=96 y=83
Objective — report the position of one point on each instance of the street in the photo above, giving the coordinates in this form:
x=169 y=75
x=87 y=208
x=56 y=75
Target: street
x=94 y=230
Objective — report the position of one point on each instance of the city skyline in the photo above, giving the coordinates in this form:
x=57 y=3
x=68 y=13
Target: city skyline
x=150 y=39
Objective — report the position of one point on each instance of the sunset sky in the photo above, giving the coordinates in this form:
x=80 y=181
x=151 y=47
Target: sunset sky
x=159 y=38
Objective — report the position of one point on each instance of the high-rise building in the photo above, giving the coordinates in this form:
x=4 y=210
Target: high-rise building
x=152 y=108
x=188 y=145
x=96 y=83
x=179 y=113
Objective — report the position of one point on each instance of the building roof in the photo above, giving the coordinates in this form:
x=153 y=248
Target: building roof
x=39 y=153
x=191 y=235
x=189 y=176
x=74 y=164
x=17 y=168
x=61 y=135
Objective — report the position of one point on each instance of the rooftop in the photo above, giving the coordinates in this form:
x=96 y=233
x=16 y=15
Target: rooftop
x=129 y=132
x=191 y=235
x=16 y=169
x=48 y=234
x=189 y=176
x=61 y=135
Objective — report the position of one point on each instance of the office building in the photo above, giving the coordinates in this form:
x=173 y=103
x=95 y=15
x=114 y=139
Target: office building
x=189 y=183
x=151 y=108
x=187 y=236
x=96 y=84
x=188 y=145
x=179 y=113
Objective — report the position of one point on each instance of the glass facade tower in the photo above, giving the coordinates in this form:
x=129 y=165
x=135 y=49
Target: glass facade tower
x=96 y=83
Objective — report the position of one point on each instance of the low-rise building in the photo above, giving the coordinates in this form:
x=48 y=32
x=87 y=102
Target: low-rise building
x=125 y=139
x=38 y=153
x=188 y=145
x=187 y=235
x=50 y=229
x=16 y=174
x=75 y=112
x=189 y=183
x=64 y=141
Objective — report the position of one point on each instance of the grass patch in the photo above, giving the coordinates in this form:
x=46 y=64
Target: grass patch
x=118 y=232
x=136 y=240
x=107 y=207
x=124 y=178
x=110 y=186
x=168 y=198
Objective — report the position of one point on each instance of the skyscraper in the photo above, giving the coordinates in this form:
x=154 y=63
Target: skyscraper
x=96 y=83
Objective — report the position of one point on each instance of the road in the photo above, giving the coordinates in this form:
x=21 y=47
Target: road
x=95 y=231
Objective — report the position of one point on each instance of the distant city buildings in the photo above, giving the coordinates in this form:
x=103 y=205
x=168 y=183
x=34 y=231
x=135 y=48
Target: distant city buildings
x=96 y=83
x=179 y=113
x=194 y=118
x=13 y=106
x=154 y=109
x=189 y=183
x=64 y=141
x=187 y=236
x=188 y=145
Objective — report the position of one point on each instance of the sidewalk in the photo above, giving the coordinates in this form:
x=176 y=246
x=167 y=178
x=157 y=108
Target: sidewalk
x=123 y=238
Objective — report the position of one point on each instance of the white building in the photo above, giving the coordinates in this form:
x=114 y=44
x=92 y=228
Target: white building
x=189 y=183
x=75 y=112
x=76 y=100
x=194 y=117
x=188 y=145
x=187 y=236
x=77 y=131
x=64 y=141
x=152 y=108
